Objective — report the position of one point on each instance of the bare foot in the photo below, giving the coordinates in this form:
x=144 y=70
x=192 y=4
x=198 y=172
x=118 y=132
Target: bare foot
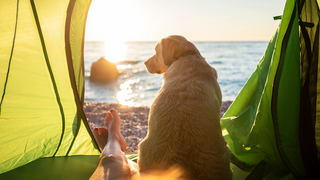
x=112 y=122
x=101 y=136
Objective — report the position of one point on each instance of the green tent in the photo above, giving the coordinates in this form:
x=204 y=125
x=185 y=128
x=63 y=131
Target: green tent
x=272 y=127
x=42 y=122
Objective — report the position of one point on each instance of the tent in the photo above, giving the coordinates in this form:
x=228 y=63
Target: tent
x=42 y=122
x=272 y=127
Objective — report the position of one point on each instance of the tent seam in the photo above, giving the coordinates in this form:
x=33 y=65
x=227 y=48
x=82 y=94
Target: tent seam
x=10 y=59
x=83 y=90
x=36 y=18
x=275 y=95
x=78 y=101
x=69 y=56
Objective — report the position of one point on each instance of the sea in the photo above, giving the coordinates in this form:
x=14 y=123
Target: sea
x=234 y=62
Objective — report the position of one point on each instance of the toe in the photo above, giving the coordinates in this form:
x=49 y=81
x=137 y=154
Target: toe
x=103 y=131
x=107 y=119
x=114 y=113
x=109 y=116
x=95 y=132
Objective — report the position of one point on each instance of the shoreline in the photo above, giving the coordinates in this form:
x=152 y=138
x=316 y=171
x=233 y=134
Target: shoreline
x=134 y=120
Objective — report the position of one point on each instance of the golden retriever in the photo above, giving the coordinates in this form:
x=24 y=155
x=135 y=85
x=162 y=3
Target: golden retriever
x=184 y=119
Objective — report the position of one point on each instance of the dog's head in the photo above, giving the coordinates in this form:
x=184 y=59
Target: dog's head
x=166 y=50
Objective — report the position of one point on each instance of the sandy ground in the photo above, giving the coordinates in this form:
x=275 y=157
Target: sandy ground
x=134 y=124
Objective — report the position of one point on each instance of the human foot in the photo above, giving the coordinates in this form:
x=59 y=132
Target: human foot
x=112 y=122
x=101 y=136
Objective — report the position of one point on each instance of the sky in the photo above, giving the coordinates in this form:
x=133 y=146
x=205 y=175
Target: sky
x=197 y=20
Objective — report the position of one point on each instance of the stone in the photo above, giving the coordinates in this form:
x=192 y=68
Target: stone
x=104 y=71
x=128 y=151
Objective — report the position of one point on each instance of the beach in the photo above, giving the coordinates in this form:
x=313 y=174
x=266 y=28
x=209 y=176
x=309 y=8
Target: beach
x=134 y=124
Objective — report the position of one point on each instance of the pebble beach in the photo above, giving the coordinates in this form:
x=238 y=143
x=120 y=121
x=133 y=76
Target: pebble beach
x=134 y=124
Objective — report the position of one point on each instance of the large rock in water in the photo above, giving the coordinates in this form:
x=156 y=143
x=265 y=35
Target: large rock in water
x=104 y=71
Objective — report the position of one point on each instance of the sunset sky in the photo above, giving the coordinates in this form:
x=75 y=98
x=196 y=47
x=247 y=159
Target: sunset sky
x=197 y=20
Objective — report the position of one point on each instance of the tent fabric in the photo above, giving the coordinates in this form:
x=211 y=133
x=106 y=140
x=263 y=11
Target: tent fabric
x=309 y=107
x=272 y=121
x=62 y=167
x=79 y=167
x=42 y=81
x=73 y=167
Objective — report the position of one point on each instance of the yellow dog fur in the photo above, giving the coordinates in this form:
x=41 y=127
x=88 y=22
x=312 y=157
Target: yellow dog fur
x=184 y=119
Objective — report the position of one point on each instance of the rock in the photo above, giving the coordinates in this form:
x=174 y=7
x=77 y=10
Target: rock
x=104 y=71
x=144 y=132
x=128 y=150
x=129 y=132
x=124 y=133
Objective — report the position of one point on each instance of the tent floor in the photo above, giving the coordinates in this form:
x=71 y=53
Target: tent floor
x=72 y=167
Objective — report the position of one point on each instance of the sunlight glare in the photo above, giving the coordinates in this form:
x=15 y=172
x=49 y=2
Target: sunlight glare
x=115 y=50
x=113 y=22
x=224 y=132
x=123 y=66
x=125 y=95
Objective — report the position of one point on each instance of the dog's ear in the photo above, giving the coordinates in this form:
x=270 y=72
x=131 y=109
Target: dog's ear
x=169 y=49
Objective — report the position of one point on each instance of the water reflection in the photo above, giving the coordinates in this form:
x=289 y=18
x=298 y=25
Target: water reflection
x=126 y=96
x=123 y=66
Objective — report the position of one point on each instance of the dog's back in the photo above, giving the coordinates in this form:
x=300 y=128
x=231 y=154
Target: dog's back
x=184 y=123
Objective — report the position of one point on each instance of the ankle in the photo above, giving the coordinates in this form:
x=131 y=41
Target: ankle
x=114 y=136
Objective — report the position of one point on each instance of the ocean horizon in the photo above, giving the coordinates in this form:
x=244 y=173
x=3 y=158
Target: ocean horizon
x=234 y=61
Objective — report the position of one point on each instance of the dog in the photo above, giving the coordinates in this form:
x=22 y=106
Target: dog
x=184 y=119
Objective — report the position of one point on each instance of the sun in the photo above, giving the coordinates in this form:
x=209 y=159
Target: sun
x=115 y=50
x=113 y=22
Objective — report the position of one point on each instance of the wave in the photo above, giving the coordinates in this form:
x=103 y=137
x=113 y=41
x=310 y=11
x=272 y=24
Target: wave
x=127 y=62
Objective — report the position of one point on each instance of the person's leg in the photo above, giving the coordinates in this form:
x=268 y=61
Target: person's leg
x=113 y=164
